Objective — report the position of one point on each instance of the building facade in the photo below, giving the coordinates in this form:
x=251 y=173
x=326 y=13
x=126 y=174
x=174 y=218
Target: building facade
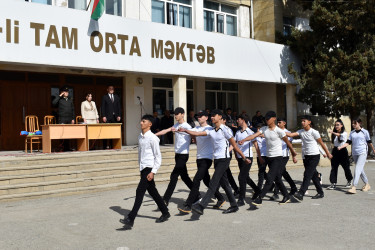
x=159 y=54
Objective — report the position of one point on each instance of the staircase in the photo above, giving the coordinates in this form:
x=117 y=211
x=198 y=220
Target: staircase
x=43 y=175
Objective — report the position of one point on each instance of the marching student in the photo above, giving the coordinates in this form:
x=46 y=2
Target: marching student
x=244 y=175
x=281 y=123
x=149 y=159
x=221 y=139
x=261 y=159
x=311 y=156
x=274 y=137
x=339 y=138
x=231 y=180
x=181 y=148
x=205 y=150
x=359 y=138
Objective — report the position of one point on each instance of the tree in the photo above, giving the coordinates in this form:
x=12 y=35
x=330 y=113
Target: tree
x=337 y=74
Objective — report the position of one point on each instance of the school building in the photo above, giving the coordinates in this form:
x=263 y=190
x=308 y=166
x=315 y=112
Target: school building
x=195 y=54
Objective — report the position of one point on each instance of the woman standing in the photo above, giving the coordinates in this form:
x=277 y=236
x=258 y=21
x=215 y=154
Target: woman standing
x=359 y=138
x=339 y=137
x=89 y=111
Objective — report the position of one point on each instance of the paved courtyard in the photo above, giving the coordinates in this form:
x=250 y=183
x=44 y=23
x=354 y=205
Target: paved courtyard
x=90 y=221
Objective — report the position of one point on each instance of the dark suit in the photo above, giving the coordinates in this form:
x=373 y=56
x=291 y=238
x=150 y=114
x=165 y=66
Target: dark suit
x=111 y=110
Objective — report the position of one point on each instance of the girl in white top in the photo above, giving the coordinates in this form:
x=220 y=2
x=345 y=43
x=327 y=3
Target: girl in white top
x=88 y=110
x=359 y=138
x=339 y=137
x=310 y=155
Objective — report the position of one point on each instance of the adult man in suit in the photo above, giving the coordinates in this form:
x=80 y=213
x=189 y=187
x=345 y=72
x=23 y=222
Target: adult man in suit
x=110 y=109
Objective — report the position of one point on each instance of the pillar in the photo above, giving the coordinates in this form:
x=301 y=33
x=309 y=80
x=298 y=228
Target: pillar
x=200 y=93
x=179 y=92
x=291 y=106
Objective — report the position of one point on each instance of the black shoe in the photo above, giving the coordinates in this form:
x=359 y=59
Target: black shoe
x=293 y=191
x=197 y=208
x=240 y=202
x=285 y=200
x=298 y=196
x=186 y=209
x=332 y=187
x=257 y=202
x=163 y=217
x=127 y=222
x=272 y=187
x=219 y=204
x=274 y=197
x=236 y=193
x=318 y=196
x=230 y=210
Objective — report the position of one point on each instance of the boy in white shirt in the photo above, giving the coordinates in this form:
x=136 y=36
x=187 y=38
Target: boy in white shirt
x=181 y=147
x=274 y=137
x=311 y=156
x=149 y=159
x=221 y=139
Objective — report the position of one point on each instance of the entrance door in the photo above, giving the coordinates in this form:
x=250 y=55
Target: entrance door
x=12 y=114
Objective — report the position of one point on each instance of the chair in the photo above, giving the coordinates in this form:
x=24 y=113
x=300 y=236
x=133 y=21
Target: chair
x=78 y=119
x=49 y=119
x=32 y=125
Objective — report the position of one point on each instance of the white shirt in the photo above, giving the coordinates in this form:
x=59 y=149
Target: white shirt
x=262 y=145
x=149 y=155
x=284 y=146
x=273 y=141
x=359 y=141
x=205 y=147
x=343 y=137
x=246 y=147
x=182 y=142
x=220 y=139
x=309 y=144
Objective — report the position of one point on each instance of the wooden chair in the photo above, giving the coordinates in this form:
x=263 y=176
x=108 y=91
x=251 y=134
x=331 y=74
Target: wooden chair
x=49 y=119
x=32 y=125
x=79 y=119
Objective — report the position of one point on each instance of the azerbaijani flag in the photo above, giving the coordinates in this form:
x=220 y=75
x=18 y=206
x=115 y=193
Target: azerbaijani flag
x=97 y=9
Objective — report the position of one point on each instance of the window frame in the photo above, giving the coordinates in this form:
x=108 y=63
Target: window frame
x=225 y=14
x=178 y=12
x=226 y=92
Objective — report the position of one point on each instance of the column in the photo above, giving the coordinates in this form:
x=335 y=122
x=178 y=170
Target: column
x=291 y=106
x=200 y=93
x=179 y=92
x=244 y=21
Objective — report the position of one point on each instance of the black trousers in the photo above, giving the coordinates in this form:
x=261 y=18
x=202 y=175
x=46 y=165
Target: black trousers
x=65 y=142
x=180 y=169
x=311 y=162
x=144 y=185
x=340 y=157
x=219 y=178
x=286 y=176
x=262 y=175
x=244 y=177
x=108 y=142
x=231 y=180
x=201 y=174
x=274 y=175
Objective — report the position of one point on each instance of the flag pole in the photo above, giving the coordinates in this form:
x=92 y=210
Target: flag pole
x=88 y=5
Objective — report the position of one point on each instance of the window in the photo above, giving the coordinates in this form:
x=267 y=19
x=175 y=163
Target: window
x=173 y=12
x=49 y=2
x=220 y=18
x=113 y=7
x=162 y=95
x=77 y=4
x=287 y=26
x=221 y=95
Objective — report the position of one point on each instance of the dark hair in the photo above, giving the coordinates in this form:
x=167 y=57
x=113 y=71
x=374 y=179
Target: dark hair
x=110 y=85
x=216 y=112
x=224 y=117
x=179 y=110
x=244 y=117
x=335 y=130
x=149 y=118
x=88 y=93
x=259 y=125
x=229 y=109
x=307 y=117
x=358 y=120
